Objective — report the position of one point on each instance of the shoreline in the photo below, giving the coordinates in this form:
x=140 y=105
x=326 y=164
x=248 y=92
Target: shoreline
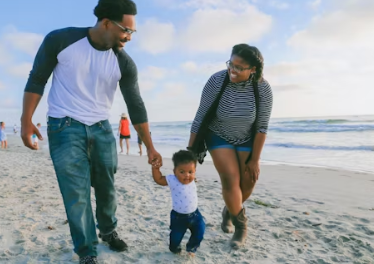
x=263 y=162
x=296 y=215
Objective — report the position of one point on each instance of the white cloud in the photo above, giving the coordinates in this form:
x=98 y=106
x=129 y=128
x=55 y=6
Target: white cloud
x=155 y=37
x=205 y=69
x=173 y=103
x=203 y=4
x=334 y=68
x=173 y=89
x=23 y=41
x=153 y=72
x=8 y=102
x=145 y=85
x=21 y=70
x=314 y=4
x=214 y=26
x=279 y=5
x=217 y=30
x=5 y=57
x=2 y=86
x=149 y=77
x=346 y=31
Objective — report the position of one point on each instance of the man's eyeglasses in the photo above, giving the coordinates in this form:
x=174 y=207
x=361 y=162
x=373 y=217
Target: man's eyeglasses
x=124 y=30
x=236 y=68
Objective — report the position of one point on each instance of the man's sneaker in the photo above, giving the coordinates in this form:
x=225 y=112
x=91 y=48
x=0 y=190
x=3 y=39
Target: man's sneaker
x=88 y=260
x=115 y=243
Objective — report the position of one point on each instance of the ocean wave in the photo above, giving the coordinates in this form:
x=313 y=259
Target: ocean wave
x=340 y=148
x=322 y=121
x=171 y=125
x=316 y=129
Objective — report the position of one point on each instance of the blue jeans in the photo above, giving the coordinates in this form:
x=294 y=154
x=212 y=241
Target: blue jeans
x=85 y=156
x=179 y=224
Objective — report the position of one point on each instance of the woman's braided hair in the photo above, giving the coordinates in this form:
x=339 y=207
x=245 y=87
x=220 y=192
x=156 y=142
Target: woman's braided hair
x=252 y=56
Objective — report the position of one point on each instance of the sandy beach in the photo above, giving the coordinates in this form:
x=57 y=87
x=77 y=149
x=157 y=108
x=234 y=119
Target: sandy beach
x=297 y=214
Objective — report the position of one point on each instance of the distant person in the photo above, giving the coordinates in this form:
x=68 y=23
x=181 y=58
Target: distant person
x=232 y=122
x=15 y=129
x=3 y=137
x=124 y=132
x=185 y=214
x=87 y=65
x=140 y=142
x=35 y=139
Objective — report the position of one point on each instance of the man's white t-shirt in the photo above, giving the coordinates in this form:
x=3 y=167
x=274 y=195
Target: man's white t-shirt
x=184 y=196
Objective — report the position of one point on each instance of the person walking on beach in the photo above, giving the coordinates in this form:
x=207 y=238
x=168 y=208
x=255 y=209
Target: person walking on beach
x=232 y=122
x=185 y=214
x=15 y=129
x=3 y=137
x=87 y=64
x=140 y=143
x=124 y=132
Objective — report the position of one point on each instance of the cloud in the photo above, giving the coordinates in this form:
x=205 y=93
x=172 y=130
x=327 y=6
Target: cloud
x=5 y=57
x=155 y=37
x=226 y=22
x=173 y=103
x=2 y=86
x=24 y=41
x=202 y=4
x=225 y=28
x=333 y=67
x=21 y=70
x=8 y=102
x=279 y=5
x=346 y=31
x=206 y=69
x=149 y=77
x=314 y=4
x=153 y=72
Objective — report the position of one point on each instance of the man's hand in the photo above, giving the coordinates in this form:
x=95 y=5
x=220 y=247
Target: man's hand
x=27 y=130
x=154 y=158
x=253 y=169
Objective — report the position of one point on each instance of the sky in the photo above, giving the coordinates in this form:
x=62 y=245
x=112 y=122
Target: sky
x=318 y=53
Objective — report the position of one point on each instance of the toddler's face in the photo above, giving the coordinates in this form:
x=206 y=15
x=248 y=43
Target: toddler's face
x=185 y=173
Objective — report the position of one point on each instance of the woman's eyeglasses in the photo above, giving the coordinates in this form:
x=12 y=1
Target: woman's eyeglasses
x=236 y=68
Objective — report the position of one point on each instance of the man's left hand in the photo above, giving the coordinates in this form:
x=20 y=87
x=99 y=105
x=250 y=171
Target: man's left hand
x=154 y=158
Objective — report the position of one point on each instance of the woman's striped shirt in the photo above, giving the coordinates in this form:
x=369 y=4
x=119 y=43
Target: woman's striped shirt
x=236 y=111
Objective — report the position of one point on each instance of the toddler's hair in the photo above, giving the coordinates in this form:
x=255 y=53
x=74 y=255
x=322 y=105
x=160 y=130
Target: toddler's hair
x=38 y=124
x=183 y=157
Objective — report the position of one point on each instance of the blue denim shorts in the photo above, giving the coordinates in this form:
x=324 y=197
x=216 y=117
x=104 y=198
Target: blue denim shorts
x=214 y=142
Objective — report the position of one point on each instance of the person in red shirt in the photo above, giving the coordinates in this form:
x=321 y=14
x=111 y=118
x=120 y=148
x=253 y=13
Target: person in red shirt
x=124 y=132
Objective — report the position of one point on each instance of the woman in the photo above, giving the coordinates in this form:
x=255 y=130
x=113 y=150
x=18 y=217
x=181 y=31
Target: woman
x=236 y=131
x=124 y=132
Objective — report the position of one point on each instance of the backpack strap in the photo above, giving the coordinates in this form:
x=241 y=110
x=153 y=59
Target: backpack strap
x=254 y=128
x=199 y=147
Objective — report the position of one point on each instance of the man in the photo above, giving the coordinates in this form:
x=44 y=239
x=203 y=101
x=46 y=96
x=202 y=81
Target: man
x=87 y=64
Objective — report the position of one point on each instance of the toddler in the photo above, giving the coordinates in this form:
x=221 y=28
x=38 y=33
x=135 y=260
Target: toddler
x=185 y=214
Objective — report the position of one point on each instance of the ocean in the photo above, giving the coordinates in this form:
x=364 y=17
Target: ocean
x=335 y=142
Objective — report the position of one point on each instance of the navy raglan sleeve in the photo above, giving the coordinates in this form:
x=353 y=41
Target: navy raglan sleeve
x=130 y=89
x=44 y=63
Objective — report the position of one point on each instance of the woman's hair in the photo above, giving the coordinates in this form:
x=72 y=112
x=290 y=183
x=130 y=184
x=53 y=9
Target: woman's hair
x=252 y=56
x=114 y=9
